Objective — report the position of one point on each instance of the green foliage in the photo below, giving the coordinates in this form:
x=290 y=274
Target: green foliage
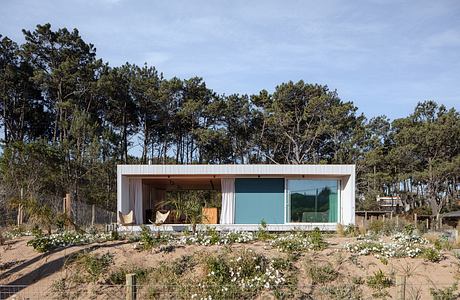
x=213 y=234
x=379 y=282
x=69 y=119
x=189 y=205
x=300 y=241
x=118 y=277
x=432 y=255
x=148 y=241
x=94 y=265
x=442 y=244
x=409 y=229
x=322 y=273
x=385 y=227
x=448 y=293
x=351 y=230
x=342 y=291
x=317 y=240
x=45 y=243
x=262 y=232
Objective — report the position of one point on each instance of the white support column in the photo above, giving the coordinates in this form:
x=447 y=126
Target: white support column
x=122 y=192
x=348 y=199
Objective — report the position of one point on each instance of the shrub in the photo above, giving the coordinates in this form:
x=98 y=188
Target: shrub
x=243 y=274
x=448 y=293
x=145 y=238
x=300 y=241
x=94 y=265
x=322 y=273
x=442 y=244
x=118 y=277
x=343 y=291
x=379 y=282
x=409 y=229
x=262 y=233
x=45 y=243
x=212 y=237
x=352 y=230
x=317 y=239
x=401 y=246
x=15 y=232
x=375 y=226
x=432 y=255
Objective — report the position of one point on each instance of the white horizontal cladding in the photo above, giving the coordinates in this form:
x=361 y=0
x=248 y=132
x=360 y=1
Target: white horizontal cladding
x=159 y=170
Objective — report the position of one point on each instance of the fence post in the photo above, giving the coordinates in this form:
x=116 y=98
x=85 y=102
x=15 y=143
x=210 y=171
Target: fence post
x=20 y=214
x=131 y=286
x=415 y=219
x=93 y=214
x=427 y=223
x=68 y=205
x=401 y=286
x=20 y=209
x=397 y=220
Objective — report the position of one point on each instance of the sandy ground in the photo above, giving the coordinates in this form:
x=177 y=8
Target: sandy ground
x=36 y=271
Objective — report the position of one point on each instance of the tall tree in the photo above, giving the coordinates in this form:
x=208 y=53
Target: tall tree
x=23 y=113
x=304 y=123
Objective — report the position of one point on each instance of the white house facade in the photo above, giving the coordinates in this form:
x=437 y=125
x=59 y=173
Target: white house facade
x=285 y=197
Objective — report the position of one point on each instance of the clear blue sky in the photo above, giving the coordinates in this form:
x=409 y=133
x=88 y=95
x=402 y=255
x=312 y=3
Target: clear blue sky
x=383 y=55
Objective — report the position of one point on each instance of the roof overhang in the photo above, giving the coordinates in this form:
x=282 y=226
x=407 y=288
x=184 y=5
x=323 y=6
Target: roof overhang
x=234 y=170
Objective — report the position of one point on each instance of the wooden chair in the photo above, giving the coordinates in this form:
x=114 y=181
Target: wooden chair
x=127 y=219
x=160 y=218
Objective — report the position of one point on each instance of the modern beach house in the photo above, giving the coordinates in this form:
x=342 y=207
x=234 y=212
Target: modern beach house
x=285 y=197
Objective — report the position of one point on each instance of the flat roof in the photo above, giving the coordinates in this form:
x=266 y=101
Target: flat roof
x=255 y=169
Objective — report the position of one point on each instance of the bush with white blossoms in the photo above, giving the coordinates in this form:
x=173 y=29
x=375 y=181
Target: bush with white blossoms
x=241 y=275
x=299 y=241
x=44 y=243
x=211 y=237
x=401 y=245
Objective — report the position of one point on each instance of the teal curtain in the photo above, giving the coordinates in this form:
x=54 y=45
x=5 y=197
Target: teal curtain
x=333 y=207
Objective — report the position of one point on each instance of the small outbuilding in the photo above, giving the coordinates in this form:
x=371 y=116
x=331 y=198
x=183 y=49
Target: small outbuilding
x=285 y=197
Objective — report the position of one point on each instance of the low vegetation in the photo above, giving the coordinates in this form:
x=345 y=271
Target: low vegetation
x=244 y=265
x=399 y=245
x=379 y=282
x=45 y=243
x=300 y=241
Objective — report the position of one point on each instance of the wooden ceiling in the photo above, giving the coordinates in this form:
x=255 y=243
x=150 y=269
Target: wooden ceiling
x=184 y=183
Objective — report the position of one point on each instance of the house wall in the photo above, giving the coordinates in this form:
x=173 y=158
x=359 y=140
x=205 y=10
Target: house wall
x=259 y=198
x=251 y=210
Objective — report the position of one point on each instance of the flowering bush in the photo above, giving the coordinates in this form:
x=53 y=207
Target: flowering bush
x=44 y=243
x=240 y=276
x=213 y=237
x=16 y=232
x=294 y=242
x=401 y=245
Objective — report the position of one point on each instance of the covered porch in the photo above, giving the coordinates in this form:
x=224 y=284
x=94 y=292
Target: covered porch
x=146 y=195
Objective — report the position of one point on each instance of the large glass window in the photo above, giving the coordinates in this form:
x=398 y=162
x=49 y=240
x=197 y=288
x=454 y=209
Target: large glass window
x=312 y=201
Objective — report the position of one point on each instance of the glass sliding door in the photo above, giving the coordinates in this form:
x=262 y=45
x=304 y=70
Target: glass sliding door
x=313 y=201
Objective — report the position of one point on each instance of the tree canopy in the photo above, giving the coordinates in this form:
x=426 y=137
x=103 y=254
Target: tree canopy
x=68 y=119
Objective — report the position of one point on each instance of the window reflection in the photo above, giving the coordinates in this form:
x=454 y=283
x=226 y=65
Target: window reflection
x=313 y=201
